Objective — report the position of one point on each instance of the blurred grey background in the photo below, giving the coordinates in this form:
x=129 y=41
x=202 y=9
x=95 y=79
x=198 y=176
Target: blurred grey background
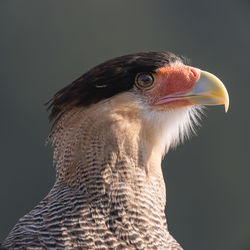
x=44 y=45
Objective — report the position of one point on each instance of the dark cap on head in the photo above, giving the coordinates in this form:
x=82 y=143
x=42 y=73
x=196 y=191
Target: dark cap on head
x=107 y=79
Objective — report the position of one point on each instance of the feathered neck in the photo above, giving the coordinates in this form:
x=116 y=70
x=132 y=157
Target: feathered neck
x=110 y=154
x=122 y=126
x=111 y=127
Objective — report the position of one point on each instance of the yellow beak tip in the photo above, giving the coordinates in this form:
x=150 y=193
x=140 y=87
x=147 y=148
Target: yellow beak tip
x=226 y=107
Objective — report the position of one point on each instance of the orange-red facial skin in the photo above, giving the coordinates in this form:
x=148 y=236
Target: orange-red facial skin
x=173 y=81
x=176 y=104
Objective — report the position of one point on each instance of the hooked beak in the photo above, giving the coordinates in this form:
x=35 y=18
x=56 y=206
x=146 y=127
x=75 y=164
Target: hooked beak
x=207 y=90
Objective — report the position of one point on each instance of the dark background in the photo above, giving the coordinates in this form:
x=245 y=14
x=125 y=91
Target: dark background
x=44 y=45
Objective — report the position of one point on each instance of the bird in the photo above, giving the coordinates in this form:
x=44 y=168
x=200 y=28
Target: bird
x=111 y=129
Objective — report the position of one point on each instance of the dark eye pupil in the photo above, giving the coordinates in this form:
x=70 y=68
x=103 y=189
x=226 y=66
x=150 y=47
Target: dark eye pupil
x=145 y=80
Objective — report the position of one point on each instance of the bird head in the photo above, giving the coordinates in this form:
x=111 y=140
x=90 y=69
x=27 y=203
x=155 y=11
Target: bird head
x=162 y=91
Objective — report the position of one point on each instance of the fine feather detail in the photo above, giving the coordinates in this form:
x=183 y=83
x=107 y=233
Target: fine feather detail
x=174 y=126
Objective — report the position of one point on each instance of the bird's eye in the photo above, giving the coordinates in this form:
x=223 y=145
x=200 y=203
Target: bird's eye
x=144 y=81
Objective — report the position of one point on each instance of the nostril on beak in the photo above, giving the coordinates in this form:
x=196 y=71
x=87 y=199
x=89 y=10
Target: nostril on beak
x=194 y=72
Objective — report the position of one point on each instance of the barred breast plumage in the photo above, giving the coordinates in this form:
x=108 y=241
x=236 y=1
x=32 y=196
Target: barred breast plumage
x=103 y=197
